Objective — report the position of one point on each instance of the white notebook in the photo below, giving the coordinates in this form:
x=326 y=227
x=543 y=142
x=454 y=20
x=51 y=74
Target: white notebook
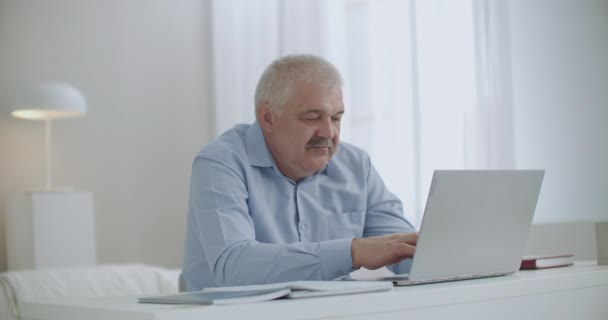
x=257 y=293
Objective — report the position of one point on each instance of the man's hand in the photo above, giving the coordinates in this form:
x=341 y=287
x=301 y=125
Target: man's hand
x=376 y=252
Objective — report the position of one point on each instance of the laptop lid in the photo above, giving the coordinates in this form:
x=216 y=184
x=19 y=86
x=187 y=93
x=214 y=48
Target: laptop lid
x=476 y=222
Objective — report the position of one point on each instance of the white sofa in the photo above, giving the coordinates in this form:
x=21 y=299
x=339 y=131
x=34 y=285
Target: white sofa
x=89 y=282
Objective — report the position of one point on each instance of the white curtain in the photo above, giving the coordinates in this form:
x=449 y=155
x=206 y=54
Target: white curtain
x=426 y=82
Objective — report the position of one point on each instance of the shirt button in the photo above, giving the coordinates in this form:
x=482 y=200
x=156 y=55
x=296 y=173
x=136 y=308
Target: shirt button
x=302 y=226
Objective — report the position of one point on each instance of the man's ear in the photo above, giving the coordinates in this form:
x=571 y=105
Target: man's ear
x=265 y=116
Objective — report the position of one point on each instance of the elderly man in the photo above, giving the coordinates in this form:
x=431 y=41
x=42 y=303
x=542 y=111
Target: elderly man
x=279 y=200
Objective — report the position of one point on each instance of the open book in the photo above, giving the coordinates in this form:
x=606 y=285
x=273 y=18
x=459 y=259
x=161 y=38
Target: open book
x=256 y=293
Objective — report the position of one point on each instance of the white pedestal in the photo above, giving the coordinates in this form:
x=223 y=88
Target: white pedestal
x=50 y=230
x=601 y=237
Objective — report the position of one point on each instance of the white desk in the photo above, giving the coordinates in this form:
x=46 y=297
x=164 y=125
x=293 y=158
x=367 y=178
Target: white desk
x=579 y=292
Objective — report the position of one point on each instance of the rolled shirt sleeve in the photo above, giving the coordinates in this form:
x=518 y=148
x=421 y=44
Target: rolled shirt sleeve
x=385 y=215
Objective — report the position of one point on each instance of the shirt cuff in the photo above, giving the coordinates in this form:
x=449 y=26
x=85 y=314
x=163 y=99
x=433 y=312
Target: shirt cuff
x=336 y=259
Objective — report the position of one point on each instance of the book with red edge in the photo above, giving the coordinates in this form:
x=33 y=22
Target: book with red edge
x=546 y=261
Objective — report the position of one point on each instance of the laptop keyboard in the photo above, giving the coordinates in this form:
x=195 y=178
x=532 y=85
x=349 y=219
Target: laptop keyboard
x=408 y=282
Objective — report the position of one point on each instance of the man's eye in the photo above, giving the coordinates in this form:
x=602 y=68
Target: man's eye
x=336 y=119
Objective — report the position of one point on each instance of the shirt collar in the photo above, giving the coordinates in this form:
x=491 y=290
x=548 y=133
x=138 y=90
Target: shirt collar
x=257 y=149
x=259 y=153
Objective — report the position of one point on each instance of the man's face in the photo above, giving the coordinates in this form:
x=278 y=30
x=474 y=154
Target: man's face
x=304 y=135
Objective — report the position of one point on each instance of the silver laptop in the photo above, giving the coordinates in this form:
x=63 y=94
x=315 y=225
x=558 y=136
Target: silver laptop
x=476 y=224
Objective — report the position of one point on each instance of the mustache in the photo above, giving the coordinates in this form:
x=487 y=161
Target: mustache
x=319 y=143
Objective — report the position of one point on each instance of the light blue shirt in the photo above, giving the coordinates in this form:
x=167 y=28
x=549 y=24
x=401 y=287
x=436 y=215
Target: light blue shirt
x=249 y=224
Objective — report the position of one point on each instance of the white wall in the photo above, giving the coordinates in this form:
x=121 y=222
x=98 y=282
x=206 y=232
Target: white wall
x=560 y=96
x=144 y=67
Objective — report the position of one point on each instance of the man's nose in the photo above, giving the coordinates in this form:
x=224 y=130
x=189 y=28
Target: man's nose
x=326 y=129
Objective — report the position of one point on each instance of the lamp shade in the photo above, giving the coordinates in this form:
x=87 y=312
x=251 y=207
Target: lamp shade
x=48 y=101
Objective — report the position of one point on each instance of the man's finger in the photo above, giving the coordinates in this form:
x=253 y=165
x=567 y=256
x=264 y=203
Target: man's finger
x=405 y=250
x=409 y=238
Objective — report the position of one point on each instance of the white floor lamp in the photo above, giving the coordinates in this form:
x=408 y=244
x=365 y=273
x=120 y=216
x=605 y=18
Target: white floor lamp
x=50 y=227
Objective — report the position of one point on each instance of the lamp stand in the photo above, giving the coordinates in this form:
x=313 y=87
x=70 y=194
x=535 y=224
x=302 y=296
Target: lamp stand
x=47 y=148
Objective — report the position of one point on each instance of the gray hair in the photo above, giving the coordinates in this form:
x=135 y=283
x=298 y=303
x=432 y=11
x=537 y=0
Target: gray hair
x=281 y=76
